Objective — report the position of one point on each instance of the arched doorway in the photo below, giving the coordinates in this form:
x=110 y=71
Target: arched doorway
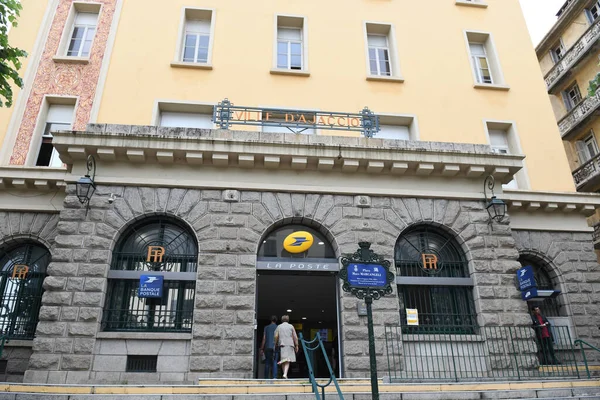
x=23 y=271
x=297 y=276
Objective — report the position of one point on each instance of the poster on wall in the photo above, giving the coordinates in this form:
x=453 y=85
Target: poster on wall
x=412 y=316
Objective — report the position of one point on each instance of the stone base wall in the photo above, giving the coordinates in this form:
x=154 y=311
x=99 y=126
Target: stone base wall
x=17 y=360
x=229 y=226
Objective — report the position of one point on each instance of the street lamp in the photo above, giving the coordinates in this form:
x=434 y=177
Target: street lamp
x=496 y=208
x=85 y=186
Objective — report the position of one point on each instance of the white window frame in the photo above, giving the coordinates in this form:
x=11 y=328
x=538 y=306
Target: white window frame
x=86 y=31
x=521 y=178
x=63 y=48
x=569 y=102
x=286 y=21
x=377 y=59
x=408 y=120
x=478 y=67
x=192 y=14
x=165 y=105
x=288 y=43
x=497 y=77
x=382 y=29
x=583 y=148
x=40 y=126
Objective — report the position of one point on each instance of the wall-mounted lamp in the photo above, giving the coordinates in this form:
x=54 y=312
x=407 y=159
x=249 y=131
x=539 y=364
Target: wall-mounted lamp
x=495 y=207
x=86 y=186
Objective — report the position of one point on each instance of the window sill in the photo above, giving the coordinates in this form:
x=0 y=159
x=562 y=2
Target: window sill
x=395 y=79
x=296 y=72
x=505 y=88
x=144 y=335
x=71 y=60
x=180 y=64
x=471 y=4
x=18 y=343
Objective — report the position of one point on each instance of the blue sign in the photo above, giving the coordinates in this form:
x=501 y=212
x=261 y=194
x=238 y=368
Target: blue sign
x=367 y=275
x=529 y=293
x=151 y=286
x=526 y=278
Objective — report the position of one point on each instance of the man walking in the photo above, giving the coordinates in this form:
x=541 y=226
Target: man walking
x=268 y=347
x=543 y=334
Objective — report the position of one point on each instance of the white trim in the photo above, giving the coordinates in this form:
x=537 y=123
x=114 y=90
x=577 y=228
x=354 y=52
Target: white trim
x=413 y=127
x=110 y=43
x=472 y=3
x=305 y=48
x=65 y=39
x=498 y=80
x=156 y=108
x=179 y=46
x=396 y=72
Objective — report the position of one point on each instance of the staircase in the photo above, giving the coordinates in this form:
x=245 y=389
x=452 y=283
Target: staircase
x=353 y=389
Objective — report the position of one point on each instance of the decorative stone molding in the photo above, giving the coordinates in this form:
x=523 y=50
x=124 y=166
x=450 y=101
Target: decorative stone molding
x=362 y=201
x=231 y=196
x=242 y=149
x=569 y=123
x=585 y=203
x=32 y=178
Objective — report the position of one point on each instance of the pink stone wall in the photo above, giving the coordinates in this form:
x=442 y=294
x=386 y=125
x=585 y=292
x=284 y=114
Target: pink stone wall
x=59 y=78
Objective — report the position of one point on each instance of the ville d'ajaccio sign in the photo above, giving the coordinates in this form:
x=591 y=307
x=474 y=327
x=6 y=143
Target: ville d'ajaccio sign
x=226 y=114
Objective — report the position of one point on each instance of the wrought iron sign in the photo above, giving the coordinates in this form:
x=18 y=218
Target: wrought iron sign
x=367 y=275
x=20 y=271
x=429 y=263
x=154 y=258
x=226 y=114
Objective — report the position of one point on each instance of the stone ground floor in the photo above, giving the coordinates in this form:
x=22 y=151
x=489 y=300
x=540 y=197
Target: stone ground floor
x=216 y=249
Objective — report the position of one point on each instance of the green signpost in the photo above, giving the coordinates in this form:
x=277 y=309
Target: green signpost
x=367 y=276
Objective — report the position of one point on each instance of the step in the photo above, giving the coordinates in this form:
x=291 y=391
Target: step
x=353 y=389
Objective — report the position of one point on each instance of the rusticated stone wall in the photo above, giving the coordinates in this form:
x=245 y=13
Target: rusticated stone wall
x=229 y=225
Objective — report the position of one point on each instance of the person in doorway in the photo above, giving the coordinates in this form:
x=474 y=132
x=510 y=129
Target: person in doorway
x=543 y=334
x=267 y=347
x=287 y=342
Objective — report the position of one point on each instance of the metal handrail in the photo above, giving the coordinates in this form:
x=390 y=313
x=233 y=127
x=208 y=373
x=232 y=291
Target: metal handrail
x=581 y=343
x=311 y=372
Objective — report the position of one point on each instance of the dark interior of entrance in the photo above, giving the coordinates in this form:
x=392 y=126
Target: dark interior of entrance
x=312 y=300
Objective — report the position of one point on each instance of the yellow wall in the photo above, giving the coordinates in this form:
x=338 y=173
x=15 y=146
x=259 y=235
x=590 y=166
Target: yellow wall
x=573 y=32
x=433 y=60
x=23 y=37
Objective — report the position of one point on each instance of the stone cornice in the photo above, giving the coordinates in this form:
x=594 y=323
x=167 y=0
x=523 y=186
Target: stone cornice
x=257 y=150
x=36 y=178
x=524 y=200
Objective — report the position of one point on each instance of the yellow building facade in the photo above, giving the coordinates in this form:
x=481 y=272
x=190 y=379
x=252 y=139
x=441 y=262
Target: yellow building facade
x=219 y=134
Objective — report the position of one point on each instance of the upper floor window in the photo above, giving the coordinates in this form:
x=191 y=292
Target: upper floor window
x=184 y=115
x=593 y=12
x=572 y=96
x=84 y=29
x=481 y=63
x=503 y=139
x=194 y=48
x=474 y=3
x=587 y=148
x=398 y=127
x=558 y=52
x=58 y=117
x=382 y=60
x=484 y=61
x=379 y=55
x=290 y=45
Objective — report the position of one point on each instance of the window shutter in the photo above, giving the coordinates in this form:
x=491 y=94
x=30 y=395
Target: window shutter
x=566 y=101
x=589 y=16
x=197 y=26
x=86 y=19
x=581 y=151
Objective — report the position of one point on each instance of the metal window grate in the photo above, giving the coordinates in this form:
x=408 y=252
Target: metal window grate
x=141 y=363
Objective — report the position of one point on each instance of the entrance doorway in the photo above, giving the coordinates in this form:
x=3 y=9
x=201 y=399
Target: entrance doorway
x=313 y=301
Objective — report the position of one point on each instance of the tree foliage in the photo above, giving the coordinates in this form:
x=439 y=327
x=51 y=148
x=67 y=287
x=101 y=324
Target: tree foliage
x=9 y=56
x=594 y=85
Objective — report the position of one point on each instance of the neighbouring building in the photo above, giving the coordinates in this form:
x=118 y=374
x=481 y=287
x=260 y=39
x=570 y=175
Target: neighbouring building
x=238 y=149
x=569 y=58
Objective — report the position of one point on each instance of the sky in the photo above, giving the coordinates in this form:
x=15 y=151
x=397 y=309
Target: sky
x=540 y=16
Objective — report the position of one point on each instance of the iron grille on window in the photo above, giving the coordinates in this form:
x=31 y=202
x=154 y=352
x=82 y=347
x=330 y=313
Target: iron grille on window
x=21 y=294
x=551 y=307
x=441 y=307
x=141 y=363
x=173 y=312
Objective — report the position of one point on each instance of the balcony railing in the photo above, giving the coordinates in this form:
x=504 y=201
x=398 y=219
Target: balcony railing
x=596 y=234
x=580 y=112
x=573 y=55
x=587 y=171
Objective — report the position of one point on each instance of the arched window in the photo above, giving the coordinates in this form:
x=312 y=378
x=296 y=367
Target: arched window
x=273 y=245
x=151 y=250
x=433 y=278
x=23 y=272
x=551 y=307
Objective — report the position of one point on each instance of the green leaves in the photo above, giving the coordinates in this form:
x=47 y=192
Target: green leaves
x=9 y=56
x=594 y=84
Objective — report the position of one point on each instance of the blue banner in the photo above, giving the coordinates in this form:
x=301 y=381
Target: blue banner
x=529 y=294
x=151 y=286
x=526 y=278
x=367 y=275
